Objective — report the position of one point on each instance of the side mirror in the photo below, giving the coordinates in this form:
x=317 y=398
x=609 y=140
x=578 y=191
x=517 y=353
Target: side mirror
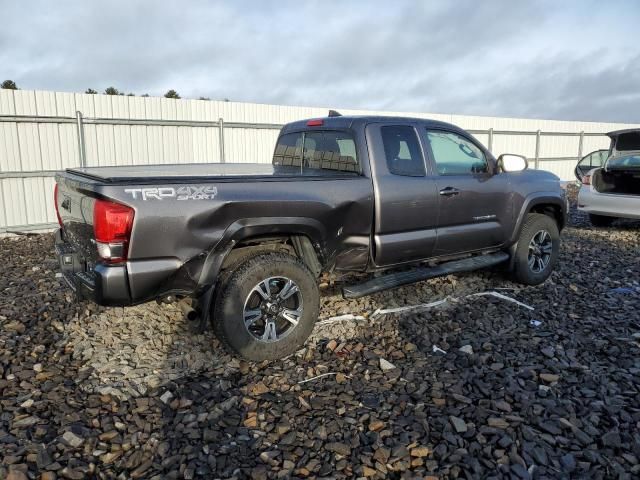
x=508 y=162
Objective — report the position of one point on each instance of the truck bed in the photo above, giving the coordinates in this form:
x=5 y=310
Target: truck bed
x=185 y=214
x=149 y=174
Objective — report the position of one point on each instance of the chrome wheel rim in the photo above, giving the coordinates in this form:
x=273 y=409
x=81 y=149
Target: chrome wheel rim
x=272 y=309
x=540 y=250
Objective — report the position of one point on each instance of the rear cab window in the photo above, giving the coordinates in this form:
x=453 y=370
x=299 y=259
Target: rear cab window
x=288 y=151
x=318 y=150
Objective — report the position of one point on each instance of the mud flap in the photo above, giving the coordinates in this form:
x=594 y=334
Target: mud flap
x=203 y=307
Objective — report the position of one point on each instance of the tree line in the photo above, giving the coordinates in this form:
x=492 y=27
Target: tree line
x=11 y=85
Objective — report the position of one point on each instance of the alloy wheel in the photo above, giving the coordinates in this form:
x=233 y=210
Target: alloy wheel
x=540 y=250
x=272 y=309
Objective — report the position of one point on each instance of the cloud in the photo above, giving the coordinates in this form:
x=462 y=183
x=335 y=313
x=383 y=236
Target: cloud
x=568 y=60
x=585 y=87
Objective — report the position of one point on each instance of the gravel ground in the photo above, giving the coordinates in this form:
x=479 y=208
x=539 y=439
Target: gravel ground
x=92 y=392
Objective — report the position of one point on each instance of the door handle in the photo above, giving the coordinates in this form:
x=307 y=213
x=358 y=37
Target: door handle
x=449 y=191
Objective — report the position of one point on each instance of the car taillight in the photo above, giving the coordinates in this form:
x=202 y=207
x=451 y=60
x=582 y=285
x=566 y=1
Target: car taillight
x=586 y=180
x=318 y=122
x=55 y=203
x=112 y=223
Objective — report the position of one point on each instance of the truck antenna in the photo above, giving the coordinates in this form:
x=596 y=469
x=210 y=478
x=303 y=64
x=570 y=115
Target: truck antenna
x=333 y=113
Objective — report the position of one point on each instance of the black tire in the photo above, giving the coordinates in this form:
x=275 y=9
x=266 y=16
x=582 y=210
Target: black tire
x=228 y=313
x=601 y=220
x=523 y=271
x=228 y=271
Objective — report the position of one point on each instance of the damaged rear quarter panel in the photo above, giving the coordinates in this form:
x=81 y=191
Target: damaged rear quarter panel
x=173 y=236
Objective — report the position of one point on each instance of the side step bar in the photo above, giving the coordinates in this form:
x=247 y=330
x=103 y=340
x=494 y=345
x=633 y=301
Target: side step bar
x=393 y=280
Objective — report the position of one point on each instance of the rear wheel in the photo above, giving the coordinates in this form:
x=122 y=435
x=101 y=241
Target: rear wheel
x=600 y=220
x=267 y=307
x=537 y=252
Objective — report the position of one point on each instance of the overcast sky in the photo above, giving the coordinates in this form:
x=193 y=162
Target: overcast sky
x=575 y=60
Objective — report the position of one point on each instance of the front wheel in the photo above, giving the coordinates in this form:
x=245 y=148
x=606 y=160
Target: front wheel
x=537 y=252
x=267 y=307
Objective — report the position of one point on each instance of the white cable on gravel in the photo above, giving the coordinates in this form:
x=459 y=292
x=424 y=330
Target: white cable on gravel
x=341 y=318
x=503 y=297
x=409 y=307
x=420 y=306
x=320 y=376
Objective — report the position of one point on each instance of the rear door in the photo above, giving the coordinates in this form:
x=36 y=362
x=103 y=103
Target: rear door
x=589 y=162
x=406 y=199
x=474 y=202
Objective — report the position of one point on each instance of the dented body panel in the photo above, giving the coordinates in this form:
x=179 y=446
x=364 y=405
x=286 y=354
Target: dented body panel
x=172 y=237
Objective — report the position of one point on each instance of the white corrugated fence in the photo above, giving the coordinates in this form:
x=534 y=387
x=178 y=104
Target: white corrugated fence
x=42 y=132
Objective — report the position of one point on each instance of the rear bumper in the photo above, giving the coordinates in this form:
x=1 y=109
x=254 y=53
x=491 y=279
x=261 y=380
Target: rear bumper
x=611 y=205
x=104 y=285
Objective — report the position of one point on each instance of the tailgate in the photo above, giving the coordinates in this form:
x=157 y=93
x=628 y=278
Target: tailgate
x=75 y=208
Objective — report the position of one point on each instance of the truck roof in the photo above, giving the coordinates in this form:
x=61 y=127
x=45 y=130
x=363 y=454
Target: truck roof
x=352 y=121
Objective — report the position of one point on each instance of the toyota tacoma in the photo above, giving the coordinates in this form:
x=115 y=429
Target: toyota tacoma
x=243 y=245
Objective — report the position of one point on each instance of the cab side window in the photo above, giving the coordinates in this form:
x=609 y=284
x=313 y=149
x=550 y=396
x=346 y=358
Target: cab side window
x=402 y=151
x=455 y=155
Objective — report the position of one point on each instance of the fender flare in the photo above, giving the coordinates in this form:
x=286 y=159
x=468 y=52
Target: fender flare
x=534 y=199
x=253 y=227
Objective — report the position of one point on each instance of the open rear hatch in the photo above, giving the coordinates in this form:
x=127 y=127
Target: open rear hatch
x=621 y=172
x=624 y=141
x=621 y=182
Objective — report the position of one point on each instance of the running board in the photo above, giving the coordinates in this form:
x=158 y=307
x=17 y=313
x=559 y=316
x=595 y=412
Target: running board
x=393 y=280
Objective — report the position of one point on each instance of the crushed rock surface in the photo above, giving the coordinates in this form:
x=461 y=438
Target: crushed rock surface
x=93 y=392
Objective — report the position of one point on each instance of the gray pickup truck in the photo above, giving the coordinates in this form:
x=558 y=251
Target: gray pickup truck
x=243 y=245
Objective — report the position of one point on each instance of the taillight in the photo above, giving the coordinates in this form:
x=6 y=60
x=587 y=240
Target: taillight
x=315 y=123
x=55 y=203
x=112 y=223
x=586 y=179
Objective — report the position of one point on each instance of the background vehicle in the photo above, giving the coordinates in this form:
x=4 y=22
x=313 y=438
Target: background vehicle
x=613 y=190
x=590 y=161
x=248 y=242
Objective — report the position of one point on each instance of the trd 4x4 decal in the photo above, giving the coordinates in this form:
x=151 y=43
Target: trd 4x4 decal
x=188 y=192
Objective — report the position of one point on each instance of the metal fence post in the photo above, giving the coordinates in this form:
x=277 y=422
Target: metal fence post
x=537 y=160
x=580 y=144
x=490 y=141
x=81 y=147
x=221 y=140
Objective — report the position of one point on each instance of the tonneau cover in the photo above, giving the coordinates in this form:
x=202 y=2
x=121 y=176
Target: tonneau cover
x=201 y=171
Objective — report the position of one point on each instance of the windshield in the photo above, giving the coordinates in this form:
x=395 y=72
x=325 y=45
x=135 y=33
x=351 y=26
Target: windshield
x=624 y=161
